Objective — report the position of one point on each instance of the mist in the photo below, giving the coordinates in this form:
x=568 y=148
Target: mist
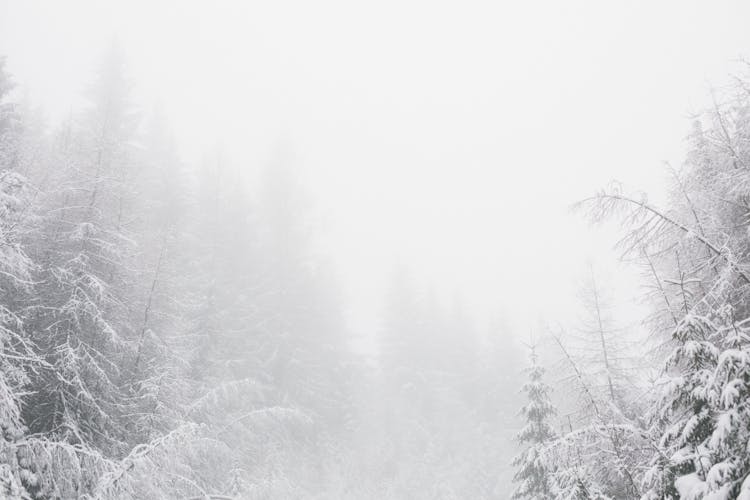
x=392 y=250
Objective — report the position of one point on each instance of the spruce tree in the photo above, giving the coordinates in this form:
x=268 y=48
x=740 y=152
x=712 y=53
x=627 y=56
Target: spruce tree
x=533 y=473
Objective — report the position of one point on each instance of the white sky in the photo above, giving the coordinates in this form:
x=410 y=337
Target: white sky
x=447 y=135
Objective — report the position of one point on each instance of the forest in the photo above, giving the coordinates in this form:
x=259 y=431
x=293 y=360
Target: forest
x=152 y=350
x=171 y=329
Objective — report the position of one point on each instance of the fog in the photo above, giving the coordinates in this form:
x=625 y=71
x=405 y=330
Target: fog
x=321 y=241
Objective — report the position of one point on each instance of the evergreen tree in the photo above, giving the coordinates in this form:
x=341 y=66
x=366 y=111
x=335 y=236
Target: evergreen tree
x=534 y=472
x=696 y=252
x=300 y=296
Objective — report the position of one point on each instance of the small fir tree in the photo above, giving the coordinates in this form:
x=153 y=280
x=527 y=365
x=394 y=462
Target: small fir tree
x=532 y=472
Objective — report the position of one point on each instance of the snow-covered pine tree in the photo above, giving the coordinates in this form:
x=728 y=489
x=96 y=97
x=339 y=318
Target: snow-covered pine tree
x=254 y=426
x=301 y=296
x=75 y=405
x=534 y=470
x=18 y=355
x=696 y=251
x=157 y=220
x=436 y=441
x=10 y=123
x=701 y=414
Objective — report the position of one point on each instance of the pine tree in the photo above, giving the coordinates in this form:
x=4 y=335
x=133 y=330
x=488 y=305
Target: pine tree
x=534 y=472
x=696 y=253
x=10 y=123
x=18 y=356
x=80 y=324
x=301 y=297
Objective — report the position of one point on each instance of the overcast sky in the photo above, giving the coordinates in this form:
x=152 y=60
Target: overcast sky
x=447 y=136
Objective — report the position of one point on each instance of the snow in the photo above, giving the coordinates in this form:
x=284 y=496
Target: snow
x=691 y=487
